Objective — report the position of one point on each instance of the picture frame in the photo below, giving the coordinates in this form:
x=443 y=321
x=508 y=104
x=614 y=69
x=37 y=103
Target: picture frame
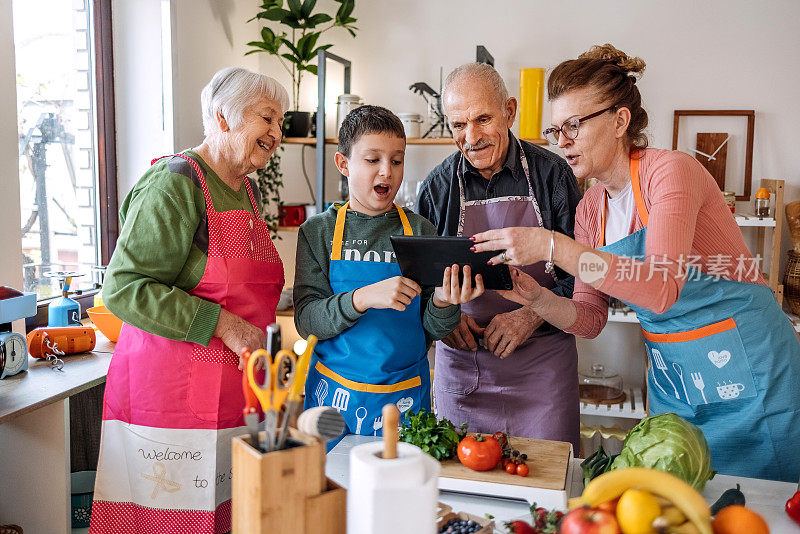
x=721 y=142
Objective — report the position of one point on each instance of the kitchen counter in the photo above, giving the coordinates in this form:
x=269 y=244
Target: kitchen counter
x=763 y=496
x=35 y=437
x=40 y=385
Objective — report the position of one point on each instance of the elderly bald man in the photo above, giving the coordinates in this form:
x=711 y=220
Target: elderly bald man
x=502 y=368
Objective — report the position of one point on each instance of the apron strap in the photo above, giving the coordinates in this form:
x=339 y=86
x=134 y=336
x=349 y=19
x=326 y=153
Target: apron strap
x=338 y=229
x=200 y=174
x=256 y=211
x=637 y=195
x=637 y=188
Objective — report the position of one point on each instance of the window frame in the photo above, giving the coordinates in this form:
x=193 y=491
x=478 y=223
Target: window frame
x=106 y=171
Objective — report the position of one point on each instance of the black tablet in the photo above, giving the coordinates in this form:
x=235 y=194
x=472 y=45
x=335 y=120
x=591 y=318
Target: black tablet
x=424 y=259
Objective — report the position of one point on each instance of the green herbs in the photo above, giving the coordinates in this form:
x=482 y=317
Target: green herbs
x=596 y=464
x=437 y=438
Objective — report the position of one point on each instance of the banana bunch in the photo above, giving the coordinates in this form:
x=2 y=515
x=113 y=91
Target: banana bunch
x=683 y=510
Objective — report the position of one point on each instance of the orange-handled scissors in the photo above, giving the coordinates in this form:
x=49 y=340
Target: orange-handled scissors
x=250 y=410
x=278 y=378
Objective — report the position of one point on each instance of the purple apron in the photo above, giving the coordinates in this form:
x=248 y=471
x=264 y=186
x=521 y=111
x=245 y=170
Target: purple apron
x=534 y=392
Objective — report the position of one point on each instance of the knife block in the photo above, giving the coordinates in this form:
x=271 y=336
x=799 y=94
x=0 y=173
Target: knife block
x=286 y=491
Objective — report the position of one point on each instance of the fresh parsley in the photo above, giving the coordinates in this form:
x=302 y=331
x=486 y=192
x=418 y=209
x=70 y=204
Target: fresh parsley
x=437 y=438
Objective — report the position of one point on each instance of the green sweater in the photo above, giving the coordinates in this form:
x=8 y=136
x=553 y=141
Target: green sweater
x=162 y=250
x=317 y=310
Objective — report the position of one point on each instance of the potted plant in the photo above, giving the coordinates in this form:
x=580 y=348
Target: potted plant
x=269 y=181
x=296 y=44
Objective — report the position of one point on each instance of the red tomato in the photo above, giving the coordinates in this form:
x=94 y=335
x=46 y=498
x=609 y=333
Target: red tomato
x=511 y=468
x=479 y=453
x=522 y=470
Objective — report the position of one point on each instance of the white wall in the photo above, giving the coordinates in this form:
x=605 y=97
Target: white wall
x=10 y=225
x=717 y=54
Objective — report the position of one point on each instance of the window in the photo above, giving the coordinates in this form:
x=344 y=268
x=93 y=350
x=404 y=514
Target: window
x=65 y=122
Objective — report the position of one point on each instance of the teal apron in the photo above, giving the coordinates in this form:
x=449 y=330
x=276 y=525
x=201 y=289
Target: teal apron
x=726 y=358
x=379 y=360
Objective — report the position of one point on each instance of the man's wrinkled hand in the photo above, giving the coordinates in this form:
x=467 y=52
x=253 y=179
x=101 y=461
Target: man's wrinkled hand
x=463 y=337
x=508 y=330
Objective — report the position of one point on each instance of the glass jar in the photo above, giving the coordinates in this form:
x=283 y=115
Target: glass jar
x=599 y=384
x=344 y=105
x=762 y=202
x=730 y=200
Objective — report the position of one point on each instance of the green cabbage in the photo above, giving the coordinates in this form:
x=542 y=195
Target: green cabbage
x=668 y=442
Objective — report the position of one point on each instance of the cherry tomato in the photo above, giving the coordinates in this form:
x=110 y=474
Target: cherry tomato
x=522 y=470
x=511 y=468
x=479 y=453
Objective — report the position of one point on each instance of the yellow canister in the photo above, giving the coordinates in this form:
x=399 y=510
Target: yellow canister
x=531 y=93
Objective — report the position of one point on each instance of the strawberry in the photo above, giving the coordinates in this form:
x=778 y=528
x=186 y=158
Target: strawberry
x=520 y=527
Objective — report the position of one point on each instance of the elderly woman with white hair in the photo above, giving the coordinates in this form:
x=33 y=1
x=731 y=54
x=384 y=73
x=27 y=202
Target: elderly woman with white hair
x=196 y=279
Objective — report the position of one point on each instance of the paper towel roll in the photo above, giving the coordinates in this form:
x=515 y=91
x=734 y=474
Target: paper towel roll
x=395 y=496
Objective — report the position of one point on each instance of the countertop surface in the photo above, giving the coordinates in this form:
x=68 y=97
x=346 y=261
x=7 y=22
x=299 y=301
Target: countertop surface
x=763 y=496
x=40 y=385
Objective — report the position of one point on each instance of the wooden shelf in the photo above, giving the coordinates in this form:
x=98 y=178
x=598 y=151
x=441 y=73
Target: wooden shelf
x=413 y=141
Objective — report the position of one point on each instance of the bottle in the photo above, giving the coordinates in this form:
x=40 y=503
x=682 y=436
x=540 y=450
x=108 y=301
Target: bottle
x=730 y=200
x=762 y=202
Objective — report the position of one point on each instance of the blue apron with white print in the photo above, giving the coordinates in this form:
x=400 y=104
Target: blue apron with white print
x=381 y=359
x=726 y=358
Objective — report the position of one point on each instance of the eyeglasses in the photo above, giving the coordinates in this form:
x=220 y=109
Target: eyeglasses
x=570 y=127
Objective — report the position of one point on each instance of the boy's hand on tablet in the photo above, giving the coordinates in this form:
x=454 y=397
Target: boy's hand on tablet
x=450 y=292
x=395 y=293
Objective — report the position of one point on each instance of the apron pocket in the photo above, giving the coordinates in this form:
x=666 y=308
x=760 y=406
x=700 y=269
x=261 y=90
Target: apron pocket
x=455 y=371
x=362 y=404
x=214 y=391
x=702 y=366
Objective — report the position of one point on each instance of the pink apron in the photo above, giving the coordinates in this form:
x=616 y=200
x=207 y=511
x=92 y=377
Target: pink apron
x=172 y=407
x=534 y=392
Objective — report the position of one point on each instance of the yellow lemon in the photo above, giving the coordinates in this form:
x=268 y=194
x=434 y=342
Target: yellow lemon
x=636 y=511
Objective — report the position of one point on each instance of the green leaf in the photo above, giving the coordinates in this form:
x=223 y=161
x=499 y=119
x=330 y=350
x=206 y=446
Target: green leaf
x=319 y=18
x=305 y=45
x=296 y=8
x=312 y=69
x=291 y=58
x=308 y=7
x=293 y=48
x=277 y=14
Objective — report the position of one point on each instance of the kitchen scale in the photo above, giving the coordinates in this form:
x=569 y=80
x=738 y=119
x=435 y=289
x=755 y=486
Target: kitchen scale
x=13 y=346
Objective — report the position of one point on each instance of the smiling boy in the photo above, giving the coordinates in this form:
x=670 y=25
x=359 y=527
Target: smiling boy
x=374 y=326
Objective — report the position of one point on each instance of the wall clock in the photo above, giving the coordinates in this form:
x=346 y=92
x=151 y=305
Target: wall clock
x=721 y=142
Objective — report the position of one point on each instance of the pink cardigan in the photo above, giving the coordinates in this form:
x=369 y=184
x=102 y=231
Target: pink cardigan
x=688 y=220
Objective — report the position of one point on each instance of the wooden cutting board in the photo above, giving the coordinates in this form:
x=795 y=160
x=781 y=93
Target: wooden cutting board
x=546 y=484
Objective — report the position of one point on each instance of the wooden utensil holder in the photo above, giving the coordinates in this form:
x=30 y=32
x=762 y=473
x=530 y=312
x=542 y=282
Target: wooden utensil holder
x=286 y=491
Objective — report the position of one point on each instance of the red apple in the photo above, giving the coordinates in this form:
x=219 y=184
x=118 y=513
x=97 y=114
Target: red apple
x=589 y=521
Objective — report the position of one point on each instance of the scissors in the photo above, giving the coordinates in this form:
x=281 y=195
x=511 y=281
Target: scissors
x=279 y=376
x=293 y=404
x=250 y=406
